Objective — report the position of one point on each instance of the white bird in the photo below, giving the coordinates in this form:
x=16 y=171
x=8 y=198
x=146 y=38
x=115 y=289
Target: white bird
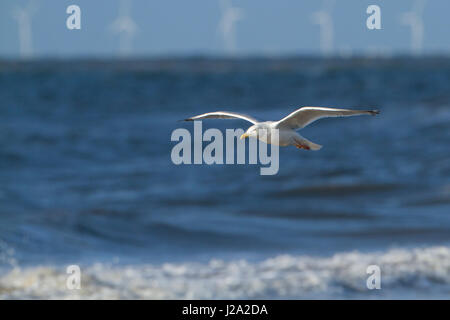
x=288 y=126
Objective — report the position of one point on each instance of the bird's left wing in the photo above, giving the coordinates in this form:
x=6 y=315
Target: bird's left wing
x=305 y=115
x=222 y=115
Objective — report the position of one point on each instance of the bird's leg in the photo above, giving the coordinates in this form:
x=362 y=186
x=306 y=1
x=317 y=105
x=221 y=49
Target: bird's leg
x=301 y=146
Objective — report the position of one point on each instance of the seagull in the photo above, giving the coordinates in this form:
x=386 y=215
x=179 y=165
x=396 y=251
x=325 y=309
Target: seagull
x=288 y=126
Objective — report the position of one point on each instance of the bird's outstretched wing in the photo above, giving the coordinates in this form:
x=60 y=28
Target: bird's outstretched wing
x=302 y=117
x=222 y=115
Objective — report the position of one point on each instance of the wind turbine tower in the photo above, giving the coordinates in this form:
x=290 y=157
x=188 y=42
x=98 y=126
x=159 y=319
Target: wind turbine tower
x=125 y=27
x=23 y=17
x=230 y=15
x=324 y=19
x=414 y=19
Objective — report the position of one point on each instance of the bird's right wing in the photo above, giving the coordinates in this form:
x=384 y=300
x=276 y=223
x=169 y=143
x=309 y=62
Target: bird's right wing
x=304 y=116
x=222 y=115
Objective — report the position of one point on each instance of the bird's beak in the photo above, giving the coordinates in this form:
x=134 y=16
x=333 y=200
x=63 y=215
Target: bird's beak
x=245 y=135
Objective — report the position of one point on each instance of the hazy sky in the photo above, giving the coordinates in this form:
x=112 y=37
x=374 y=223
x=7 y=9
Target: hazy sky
x=182 y=27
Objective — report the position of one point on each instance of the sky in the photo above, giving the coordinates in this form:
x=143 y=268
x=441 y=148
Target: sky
x=196 y=27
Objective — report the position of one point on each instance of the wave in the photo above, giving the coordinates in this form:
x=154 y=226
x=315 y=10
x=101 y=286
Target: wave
x=405 y=273
x=336 y=189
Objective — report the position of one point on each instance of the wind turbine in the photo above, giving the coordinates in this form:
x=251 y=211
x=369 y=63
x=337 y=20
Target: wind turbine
x=23 y=17
x=325 y=21
x=414 y=20
x=125 y=27
x=230 y=15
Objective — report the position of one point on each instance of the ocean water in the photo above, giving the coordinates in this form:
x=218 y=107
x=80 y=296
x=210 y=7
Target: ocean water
x=86 y=178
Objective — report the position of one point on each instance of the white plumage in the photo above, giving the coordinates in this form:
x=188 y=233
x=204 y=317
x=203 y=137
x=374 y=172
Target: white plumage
x=288 y=126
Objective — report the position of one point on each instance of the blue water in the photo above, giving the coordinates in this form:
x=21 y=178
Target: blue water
x=86 y=175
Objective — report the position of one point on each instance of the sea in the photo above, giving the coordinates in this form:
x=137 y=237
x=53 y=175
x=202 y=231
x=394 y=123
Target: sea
x=87 y=179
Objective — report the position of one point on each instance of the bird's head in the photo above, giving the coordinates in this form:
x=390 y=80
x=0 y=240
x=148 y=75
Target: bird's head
x=251 y=132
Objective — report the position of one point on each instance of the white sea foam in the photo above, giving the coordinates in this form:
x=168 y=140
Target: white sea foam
x=406 y=273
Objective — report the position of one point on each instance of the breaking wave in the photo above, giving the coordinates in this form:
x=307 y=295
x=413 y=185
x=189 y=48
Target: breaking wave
x=405 y=273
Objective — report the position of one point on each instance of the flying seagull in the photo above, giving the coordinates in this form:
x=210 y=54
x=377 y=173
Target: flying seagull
x=287 y=126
